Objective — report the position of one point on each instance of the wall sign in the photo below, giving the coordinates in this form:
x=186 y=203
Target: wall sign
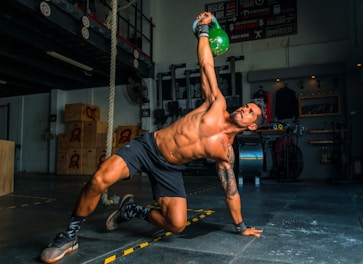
x=246 y=20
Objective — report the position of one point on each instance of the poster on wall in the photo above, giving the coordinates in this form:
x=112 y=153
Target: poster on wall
x=246 y=20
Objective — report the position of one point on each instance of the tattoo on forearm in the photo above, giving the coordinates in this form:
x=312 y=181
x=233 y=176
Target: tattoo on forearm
x=228 y=181
x=222 y=177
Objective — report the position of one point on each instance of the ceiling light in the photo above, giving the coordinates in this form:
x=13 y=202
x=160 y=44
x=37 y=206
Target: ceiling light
x=313 y=77
x=359 y=65
x=3 y=82
x=70 y=61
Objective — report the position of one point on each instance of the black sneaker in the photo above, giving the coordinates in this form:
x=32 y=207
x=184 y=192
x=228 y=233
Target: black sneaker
x=61 y=245
x=115 y=219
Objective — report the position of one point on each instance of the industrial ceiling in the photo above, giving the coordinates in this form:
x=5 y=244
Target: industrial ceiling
x=53 y=44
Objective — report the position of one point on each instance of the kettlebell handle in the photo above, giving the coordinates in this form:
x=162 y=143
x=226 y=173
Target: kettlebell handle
x=195 y=23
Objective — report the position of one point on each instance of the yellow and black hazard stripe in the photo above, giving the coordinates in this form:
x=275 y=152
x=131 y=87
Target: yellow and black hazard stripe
x=204 y=213
x=38 y=200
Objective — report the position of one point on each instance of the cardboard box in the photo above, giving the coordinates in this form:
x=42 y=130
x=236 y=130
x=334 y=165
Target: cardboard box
x=81 y=112
x=126 y=134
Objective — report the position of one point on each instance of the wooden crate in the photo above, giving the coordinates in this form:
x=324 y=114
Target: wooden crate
x=74 y=161
x=81 y=112
x=100 y=155
x=62 y=141
x=75 y=134
x=7 y=152
x=141 y=132
x=126 y=134
x=82 y=134
x=101 y=126
x=89 y=134
x=62 y=162
x=101 y=140
x=89 y=164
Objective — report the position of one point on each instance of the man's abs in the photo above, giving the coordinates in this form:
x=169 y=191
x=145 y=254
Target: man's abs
x=178 y=148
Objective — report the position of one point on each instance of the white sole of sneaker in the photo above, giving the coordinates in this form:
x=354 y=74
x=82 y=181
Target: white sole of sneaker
x=69 y=250
x=110 y=224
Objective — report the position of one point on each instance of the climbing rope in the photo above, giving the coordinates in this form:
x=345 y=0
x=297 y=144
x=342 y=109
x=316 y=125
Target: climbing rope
x=111 y=99
x=112 y=24
x=109 y=17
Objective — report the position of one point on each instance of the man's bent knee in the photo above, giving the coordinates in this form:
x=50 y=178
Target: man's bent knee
x=174 y=213
x=177 y=227
x=96 y=184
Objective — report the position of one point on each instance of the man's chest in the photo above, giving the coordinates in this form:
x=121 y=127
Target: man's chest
x=219 y=147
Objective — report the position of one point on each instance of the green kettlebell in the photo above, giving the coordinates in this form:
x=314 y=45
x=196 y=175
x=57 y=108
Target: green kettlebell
x=218 y=38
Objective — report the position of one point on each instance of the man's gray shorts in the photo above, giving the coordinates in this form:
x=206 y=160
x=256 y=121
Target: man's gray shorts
x=142 y=155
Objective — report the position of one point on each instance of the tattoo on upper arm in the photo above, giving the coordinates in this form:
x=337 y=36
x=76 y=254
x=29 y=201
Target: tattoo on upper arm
x=230 y=155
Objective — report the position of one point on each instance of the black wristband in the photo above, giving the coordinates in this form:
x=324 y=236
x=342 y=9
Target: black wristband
x=241 y=227
x=202 y=31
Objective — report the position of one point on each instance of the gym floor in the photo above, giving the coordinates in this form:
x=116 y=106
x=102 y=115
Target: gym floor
x=303 y=222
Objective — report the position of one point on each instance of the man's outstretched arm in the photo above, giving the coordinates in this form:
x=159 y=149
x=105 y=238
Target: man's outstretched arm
x=209 y=83
x=233 y=200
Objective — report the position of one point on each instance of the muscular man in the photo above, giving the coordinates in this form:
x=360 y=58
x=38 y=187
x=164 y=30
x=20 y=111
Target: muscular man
x=206 y=132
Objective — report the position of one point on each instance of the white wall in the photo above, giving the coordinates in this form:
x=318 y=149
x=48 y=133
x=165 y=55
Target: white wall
x=29 y=116
x=28 y=125
x=323 y=36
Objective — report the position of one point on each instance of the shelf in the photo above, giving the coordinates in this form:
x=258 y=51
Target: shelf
x=321 y=131
x=321 y=142
x=324 y=131
x=319 y=105
x=270 y=131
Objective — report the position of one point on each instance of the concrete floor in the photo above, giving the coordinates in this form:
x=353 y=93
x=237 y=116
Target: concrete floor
x=303 y=223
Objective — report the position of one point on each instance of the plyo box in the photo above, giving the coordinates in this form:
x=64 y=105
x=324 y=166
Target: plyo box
x=62 y=141
x=89 y=164
x=84 y=134
x=81 y=112
x=126 y=134
x=74 y=161
x=7 y=153
x=101 y=139
x=62 y=162
x=101 y=154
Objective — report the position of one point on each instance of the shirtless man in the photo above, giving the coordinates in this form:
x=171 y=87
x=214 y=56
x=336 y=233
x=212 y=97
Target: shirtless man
x=206 y=132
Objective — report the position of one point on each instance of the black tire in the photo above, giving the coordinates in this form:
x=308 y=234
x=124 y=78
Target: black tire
x=295 y=161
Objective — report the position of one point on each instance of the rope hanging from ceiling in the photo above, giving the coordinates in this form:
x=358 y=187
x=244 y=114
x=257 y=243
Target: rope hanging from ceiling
x=111 y=100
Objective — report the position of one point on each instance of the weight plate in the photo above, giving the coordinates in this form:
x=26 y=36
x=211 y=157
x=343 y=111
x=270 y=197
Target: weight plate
x=136 y=54
x=45 y=9
x=85 y=33
x=85 y=21
x=136 y=63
